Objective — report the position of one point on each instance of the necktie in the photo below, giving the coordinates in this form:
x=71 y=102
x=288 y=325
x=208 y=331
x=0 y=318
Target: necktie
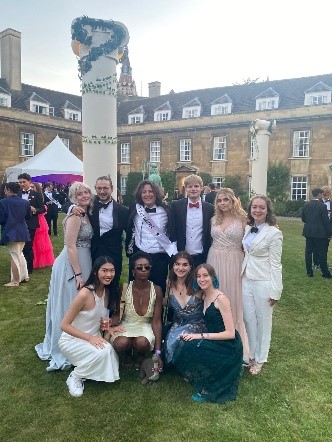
x=25 y=191
x=192 y=205
x=103 y=205
x=254 y=229
x=148 y=210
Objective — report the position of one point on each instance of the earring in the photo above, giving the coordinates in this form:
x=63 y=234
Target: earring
x=215 y=282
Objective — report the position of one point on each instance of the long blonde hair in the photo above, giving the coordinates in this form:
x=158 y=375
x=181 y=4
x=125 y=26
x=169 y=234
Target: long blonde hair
x=236 y=209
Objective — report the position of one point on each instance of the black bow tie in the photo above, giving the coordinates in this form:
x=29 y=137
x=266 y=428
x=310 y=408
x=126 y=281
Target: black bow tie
x=148 y=210
x=254 y=229
x=103 y=205
x=25 y=191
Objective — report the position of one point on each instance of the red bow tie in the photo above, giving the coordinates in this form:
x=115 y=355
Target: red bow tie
x=191 y=205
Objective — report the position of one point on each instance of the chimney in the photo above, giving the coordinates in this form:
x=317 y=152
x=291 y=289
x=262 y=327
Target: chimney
x=11 y=58
x=154 y=89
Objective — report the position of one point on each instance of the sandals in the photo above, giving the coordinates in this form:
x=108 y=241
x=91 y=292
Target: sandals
x=12 y=284
x=256 y=368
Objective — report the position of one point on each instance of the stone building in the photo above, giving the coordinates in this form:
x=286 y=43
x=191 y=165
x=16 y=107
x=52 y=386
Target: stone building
x=203 y=130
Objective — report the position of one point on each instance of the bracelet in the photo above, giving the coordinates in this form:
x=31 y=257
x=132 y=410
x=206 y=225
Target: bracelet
x=157 y=352
x=202 y=335
x=78 y=274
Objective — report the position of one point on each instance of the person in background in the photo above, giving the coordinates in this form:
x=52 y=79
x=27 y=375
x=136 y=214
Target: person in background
x=211 y=196
x=205 y=191
x=262 y=278
x=14 y=232
x=53 y=207
x=43 y=255
x=81 y=342
x=36 y=207
x=69 y=273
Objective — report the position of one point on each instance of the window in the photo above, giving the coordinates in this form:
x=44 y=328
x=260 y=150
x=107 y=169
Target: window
x=5 y=100
x=125 y=152
x=185 y=150
x=137 y=119
x=191 y=113
x=217 y=180
x=39 y=109
x=301 y=140
x=221 y=109
x=162 y=116
x=266 y=104
x=219 y=148
x=155 y=152
x=123 y=185
x=299 y=187
x=27 y=144
x=75 y=116
x=318 y=99
x=65 y=142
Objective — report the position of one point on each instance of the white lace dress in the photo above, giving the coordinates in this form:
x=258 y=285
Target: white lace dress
x=98 y=364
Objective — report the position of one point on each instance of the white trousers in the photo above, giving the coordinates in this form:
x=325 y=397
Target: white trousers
x=257 y=315
x=15 y=251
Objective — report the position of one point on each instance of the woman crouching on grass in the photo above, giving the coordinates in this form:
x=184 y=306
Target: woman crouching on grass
x=81 y=341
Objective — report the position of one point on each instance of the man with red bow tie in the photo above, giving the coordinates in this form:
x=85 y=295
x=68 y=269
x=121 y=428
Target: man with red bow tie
x=191 y=219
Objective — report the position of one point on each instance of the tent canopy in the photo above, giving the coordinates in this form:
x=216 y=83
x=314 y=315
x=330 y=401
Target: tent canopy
x=54 y=163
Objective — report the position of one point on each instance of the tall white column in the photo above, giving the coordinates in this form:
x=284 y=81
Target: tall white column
x=98 y=43
x=260 y=131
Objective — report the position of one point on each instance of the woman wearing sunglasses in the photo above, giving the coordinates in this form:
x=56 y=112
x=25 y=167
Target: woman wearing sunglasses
x=142 y=313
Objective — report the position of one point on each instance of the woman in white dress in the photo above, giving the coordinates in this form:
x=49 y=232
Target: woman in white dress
x=81 y=341
x=69 y=273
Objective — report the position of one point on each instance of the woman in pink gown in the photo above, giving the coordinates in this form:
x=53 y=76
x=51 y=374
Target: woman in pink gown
x=42 y=246
x=226 y=255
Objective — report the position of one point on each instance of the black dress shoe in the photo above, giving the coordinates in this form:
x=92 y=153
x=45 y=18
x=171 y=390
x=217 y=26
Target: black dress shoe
x=327 y=276
x=310 y=275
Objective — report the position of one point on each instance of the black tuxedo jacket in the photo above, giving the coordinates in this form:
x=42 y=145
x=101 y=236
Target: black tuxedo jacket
x=110 y=243
x=179 y=213
x=210 y=197
x=51 y=208
x=36 y=200
x=316 y=220
x=130 y=225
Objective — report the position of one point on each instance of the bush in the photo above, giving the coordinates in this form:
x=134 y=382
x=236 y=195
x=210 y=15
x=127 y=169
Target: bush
x=278 y=182
x=206 y=178
x=134 y=178
x=289 y=208
x=168 y=182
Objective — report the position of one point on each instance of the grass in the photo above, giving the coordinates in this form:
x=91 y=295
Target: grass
x=289 y=401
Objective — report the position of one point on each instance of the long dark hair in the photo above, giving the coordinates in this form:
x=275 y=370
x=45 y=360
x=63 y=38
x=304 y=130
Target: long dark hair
x=190 y=277
x=93 y=281
x=270 y=217
x=155 y=189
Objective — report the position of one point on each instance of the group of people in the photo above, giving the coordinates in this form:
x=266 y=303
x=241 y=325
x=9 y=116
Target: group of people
x=215 y=271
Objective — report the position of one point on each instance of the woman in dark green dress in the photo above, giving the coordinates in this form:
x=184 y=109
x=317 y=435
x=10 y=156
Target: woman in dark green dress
x=212 y=361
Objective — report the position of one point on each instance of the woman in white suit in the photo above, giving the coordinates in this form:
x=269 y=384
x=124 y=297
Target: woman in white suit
x=262 y=278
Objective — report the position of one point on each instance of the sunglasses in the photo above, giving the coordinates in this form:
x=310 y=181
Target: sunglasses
x=140 y=268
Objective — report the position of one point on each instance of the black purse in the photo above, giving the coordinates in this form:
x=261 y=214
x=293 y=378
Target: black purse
x=166 y=323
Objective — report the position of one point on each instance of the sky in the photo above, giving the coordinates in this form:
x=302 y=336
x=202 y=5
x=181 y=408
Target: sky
x=184 y=44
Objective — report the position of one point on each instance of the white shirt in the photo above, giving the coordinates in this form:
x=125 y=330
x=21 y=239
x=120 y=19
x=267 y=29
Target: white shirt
x=106 y=218
x=25 y=196
x=328 y=205
x=251 y=236
x=194 y=229
x=144 y=239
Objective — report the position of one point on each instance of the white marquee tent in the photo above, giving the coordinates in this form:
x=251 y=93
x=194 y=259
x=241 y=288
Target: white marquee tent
x=54 y=163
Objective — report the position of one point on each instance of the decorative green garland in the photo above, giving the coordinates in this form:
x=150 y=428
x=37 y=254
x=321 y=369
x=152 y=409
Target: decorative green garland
x=104 y=139
x=80 y=34
x=105 y=86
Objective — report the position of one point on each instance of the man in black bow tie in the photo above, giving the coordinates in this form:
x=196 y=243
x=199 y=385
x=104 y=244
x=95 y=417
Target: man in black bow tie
x=37 y=206
x=191 y=218
x=149 y=230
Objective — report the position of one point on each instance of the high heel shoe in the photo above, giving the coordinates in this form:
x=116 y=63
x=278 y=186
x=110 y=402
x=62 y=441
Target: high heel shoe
x=256 y=368
x=12 y=284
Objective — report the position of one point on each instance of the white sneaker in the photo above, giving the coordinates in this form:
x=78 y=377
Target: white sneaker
x=75 y=385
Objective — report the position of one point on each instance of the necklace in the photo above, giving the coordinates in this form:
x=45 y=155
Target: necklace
x=180 y=289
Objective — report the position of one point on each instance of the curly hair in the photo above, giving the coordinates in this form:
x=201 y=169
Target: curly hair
x=76 y=187
x=155 y=189
x=270 y=217
x=236 y=209
x=190 y=277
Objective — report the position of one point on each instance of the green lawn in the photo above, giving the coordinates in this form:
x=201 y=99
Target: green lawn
x=289 y=401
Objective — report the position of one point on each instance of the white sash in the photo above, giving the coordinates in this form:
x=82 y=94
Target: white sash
x=163 y=240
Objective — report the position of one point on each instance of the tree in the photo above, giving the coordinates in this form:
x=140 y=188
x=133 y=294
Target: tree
x=278 y=176
x=134 y=178
x=206 y=178
x=168 y=182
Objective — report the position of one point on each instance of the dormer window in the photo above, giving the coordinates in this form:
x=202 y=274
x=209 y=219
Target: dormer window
x=136 y=116
x=135 y=119
x=40 y=106
x=192 y=109
x=320 y=93
x=222 y=105
x=40 y=109
x=5 y=99
x=71 y=112
x=267 y=100
x=75 y=116
x=163 y=112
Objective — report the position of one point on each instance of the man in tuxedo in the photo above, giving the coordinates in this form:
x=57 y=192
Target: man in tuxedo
x=150 y=229
x=191 y=219
x=211 y=196
x=317 y=231
x=53 y=207
x=108 y=221
x=37 y=206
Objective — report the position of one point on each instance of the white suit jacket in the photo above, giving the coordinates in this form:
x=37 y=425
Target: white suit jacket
x=262 y=262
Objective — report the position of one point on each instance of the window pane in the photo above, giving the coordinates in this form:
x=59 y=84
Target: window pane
x=185 y=150
x=125 y=152
x=155 y=151
x=27 y=144
x=301 y=143
x=219 y=148
x=299 y=188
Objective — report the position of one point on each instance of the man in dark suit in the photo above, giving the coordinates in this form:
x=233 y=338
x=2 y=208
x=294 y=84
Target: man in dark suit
x=53 y=207
x=191 y=218
x=317 y=231
x=109 y=221
x=37 y=206
x=211 y=196
x=150 y=229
